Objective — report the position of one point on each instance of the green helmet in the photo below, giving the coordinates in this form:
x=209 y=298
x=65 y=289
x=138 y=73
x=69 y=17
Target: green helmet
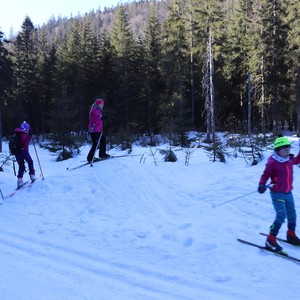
x=281 y=143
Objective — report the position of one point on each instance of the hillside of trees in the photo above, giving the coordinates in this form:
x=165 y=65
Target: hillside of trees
x=161 y=66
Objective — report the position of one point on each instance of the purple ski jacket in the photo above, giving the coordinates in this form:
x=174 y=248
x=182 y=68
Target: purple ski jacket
x=24 y=138
x=281 y=173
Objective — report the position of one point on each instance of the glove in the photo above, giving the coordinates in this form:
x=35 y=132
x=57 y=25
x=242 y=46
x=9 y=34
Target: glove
x=261 y=188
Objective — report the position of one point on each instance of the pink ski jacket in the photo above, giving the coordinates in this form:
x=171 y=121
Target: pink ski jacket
x=281 y=173
x=95 y=123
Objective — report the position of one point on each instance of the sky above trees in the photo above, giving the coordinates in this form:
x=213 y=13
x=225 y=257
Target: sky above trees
x=40 y=11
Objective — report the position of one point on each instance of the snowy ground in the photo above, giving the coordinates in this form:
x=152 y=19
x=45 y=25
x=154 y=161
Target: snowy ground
x=127 y=229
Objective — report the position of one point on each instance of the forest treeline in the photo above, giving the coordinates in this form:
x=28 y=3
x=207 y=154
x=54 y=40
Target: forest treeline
x=161 y=66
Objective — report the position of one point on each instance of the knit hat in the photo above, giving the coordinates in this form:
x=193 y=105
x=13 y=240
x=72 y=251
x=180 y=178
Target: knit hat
x=24 y=126
x=281 y=143
x=99 y=102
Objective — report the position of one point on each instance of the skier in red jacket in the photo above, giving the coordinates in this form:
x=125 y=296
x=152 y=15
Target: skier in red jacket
x=279 y=169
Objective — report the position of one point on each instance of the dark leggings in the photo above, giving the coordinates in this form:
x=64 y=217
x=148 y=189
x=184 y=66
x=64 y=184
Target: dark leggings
x=102 y=147
x=21 y=157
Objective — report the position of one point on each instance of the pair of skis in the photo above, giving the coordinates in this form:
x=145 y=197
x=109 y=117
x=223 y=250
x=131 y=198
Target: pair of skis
x=97 y=160
x=283 y=254
x=27 y=184
x=91 y=163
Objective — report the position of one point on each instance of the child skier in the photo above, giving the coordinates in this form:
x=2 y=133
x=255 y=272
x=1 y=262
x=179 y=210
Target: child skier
x=279 y=169
x=23 y=154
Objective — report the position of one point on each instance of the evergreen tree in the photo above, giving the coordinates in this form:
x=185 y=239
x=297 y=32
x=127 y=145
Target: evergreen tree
x=153 y=56
x=76 y=72
x=197 y=29
x=106 y=78
x=25 y=49
x=90 y=68
x=6 y=79
x=138 y=114
x=294 y=58
x=64 y=117
x=175 y=68
x=46 y=71
x=121 y=39
x=274 y=43
x=236 y=64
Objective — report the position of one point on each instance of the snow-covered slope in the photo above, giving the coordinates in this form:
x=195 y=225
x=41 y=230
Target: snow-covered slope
x=127 y=229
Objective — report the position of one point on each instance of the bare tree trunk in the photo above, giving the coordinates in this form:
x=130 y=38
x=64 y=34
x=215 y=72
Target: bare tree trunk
x=208 y=88
x=262 y=102
x=150 y=105
x=249 y=104
x=298 y=100
x=192 y=70
x=211 y=87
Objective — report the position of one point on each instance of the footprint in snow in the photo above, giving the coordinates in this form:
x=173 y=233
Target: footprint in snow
x=185 y=226
x=188 y=242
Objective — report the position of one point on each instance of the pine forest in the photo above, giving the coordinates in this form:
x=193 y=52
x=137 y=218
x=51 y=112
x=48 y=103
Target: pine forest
x=161 y=67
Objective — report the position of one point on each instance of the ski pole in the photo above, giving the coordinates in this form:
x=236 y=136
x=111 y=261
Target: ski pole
x=98 y=143
x=234 y=199
x=14 y=168
x=37 y=158
x=1 y=193
x=6 y=159
x=75 y=158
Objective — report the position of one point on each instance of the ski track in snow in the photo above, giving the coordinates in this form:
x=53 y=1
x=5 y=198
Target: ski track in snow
x=148 y=281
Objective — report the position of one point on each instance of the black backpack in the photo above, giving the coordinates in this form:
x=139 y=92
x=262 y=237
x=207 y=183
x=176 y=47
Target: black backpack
x=14 y=144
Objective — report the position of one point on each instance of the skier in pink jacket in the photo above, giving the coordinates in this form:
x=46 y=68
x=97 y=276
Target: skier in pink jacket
x=279 y=169
x=23 y=154
x=96 y=131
